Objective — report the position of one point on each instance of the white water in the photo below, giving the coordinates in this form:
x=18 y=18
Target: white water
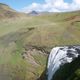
x=59 y=57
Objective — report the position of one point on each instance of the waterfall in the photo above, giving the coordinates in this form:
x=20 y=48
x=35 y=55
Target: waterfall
x=59 y=56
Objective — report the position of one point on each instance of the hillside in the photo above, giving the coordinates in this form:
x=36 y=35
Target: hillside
x=25 y=42
x=7 y=12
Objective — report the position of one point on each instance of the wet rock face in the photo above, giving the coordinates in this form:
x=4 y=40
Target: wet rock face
x=60 y=56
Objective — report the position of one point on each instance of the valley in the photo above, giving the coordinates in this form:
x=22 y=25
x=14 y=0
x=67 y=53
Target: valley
x=26 y=40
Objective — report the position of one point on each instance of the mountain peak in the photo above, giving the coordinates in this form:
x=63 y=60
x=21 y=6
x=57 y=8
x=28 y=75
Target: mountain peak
x=33 y=13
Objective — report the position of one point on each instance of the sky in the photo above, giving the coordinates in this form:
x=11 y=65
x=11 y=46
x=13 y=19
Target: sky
x=43 y=5
x=19 y=4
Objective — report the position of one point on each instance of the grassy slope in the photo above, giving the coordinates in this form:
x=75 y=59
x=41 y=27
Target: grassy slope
x=42 y=31
x=7 y=12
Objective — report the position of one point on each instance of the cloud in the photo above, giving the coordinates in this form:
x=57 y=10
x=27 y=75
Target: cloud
x=53 y=6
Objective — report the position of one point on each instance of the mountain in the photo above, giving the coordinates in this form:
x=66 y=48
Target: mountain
x=26 y=41
x=33 y=13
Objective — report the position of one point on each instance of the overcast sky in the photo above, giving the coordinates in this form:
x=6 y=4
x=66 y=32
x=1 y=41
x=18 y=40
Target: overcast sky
x=43 y=5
